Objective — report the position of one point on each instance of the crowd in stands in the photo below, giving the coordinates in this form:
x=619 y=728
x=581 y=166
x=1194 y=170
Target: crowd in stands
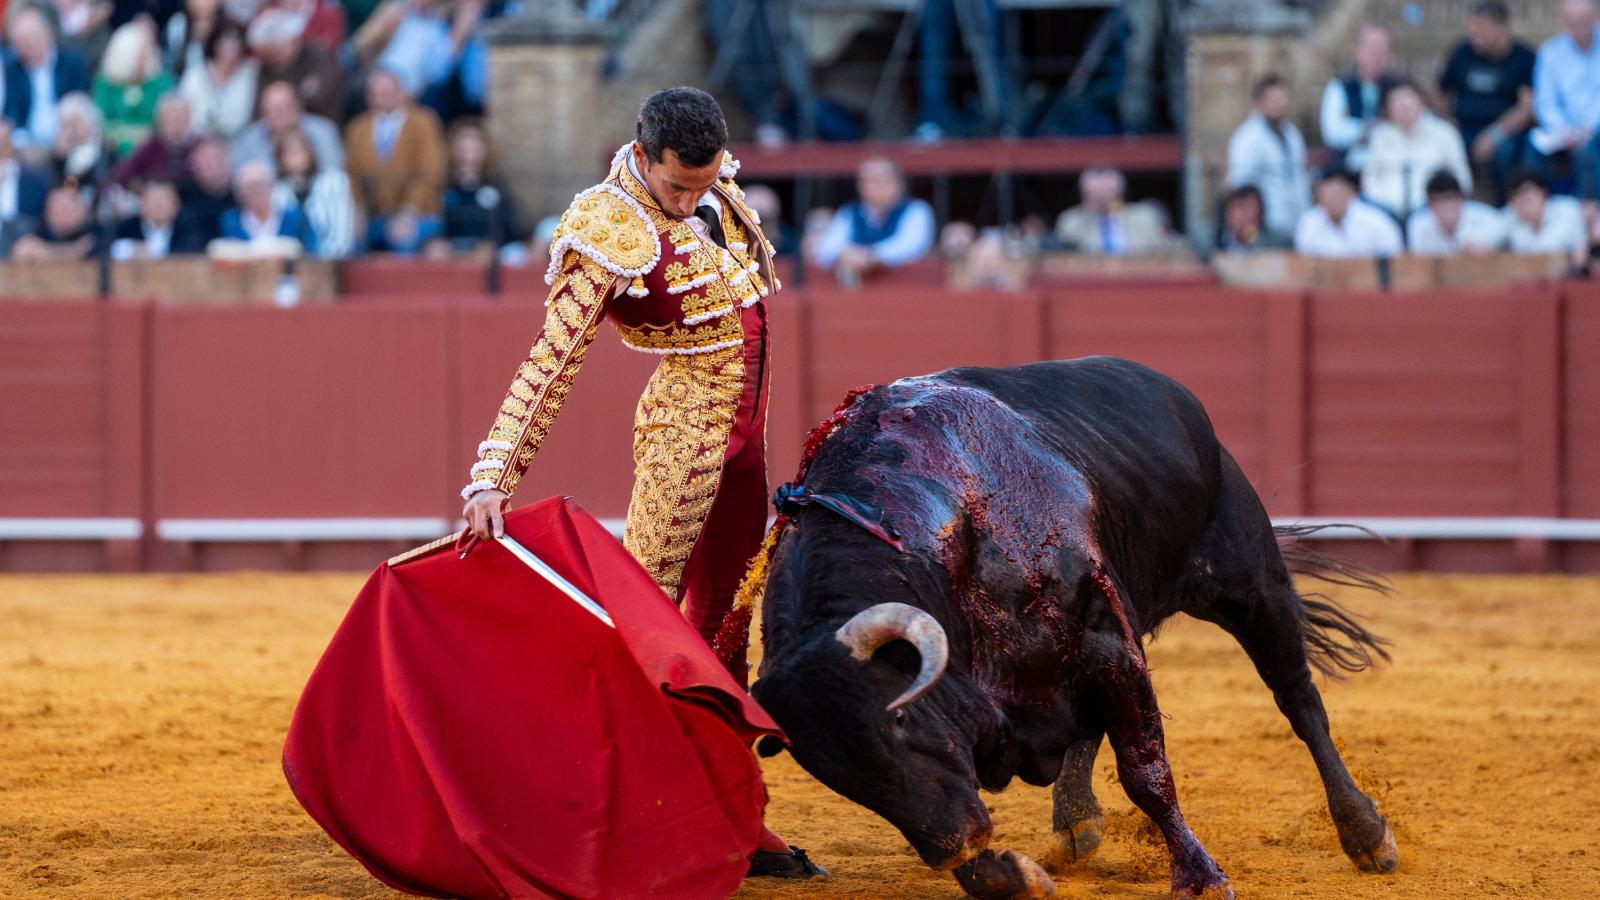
x=249 y=128
x=1515 y=127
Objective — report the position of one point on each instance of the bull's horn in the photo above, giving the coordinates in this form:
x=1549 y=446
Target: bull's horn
x=878 y=625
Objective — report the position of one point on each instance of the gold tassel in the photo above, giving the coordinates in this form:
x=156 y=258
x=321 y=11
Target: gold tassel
x=734 y=634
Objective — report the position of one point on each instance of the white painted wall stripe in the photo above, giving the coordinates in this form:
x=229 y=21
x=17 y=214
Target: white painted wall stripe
x=301 y=529
x=89 y=529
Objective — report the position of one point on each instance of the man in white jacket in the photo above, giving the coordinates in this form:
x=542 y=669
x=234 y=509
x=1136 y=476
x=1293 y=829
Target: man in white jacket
x=1269 y=152
x=1343 y=226
x=1453 y=223
x=1406 y=149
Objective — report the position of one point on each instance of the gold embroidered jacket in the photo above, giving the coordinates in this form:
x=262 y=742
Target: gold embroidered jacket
x=682 y=296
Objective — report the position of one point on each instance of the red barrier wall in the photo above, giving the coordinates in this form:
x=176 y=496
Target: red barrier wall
x=1459 y=404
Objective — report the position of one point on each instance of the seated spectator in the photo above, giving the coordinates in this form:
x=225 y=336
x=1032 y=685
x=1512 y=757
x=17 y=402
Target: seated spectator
x=276 y=36
x=66 y=232
x=282 y=113
x=956 y=240
x=1343 y=226
x=480 y=218
x=1104 y=224
x=433 y=47
x=260 y=226
x=1267 y=151
x=165 y=156
x=130 y=84
x=814 y=226
x=396 y=162
x=79 y=155
x=1540 y=223
x=1244 y=226
x=988 y=267
x=37 y=75
x=1489 y=83
x=325 y=21
x=323 y=194
x=22 y=187
x=221 y=88
x=1352 y=103
x=84 y=26
x=154 y=233
x=764 y=202
x=1452 y=223
x=208 y=193
x=1566 y=97
x=188 y=32
x=883 y=228
x=1405 y=149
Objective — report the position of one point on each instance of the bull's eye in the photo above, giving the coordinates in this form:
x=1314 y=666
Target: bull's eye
x=900 y=718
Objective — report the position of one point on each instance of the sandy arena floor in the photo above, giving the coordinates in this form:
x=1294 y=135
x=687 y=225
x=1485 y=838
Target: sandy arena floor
x=141 y=719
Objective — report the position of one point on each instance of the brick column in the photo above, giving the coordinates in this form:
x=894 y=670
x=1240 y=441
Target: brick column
x=544 y=103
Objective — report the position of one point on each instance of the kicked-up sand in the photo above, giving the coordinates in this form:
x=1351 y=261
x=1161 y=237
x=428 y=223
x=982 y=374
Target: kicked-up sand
x=141 y=720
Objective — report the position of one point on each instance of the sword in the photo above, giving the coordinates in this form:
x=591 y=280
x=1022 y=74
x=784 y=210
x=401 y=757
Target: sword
x=551 y=575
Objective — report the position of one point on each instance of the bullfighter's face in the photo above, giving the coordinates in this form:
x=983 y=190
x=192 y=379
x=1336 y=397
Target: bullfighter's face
x=914 y=766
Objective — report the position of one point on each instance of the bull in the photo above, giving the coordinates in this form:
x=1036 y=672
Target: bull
x=1045 y=519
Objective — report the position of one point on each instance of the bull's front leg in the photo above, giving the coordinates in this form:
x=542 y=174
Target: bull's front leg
x=1133 y=723
x=1076 y=819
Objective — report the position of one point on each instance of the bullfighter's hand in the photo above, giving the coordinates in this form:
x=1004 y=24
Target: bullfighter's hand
x=485 y=514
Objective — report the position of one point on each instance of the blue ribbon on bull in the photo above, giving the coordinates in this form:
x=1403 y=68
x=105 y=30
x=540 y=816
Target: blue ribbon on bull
x=790 y=497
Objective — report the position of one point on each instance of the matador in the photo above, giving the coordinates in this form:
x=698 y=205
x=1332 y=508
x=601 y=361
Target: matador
x=668 y=251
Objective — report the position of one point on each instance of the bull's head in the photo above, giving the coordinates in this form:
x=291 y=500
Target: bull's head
x=874 y=714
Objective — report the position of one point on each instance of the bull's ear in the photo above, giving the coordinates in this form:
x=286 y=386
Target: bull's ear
x=768 y=746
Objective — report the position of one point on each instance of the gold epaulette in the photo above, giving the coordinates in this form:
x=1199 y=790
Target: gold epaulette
x=611 y=228
x=431 y=547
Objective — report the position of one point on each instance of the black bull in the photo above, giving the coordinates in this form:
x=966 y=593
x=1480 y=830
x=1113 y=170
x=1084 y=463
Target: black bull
x=1051 y=516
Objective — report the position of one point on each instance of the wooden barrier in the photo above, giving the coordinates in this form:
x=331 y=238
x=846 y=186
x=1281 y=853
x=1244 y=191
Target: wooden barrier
x=200 y=281
x=1347 y=404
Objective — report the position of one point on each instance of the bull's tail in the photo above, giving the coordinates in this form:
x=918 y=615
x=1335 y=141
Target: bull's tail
x=1336 y=642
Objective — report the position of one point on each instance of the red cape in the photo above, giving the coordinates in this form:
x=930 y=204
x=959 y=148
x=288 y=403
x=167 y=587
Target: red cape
x=472 y=731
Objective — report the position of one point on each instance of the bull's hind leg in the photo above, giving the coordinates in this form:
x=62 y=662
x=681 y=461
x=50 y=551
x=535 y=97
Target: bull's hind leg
x=1076 y=819
x=1270 y=629
x=1133 y=722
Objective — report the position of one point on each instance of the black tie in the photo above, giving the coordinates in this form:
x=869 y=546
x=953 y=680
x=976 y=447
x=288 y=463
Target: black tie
x=706 y=214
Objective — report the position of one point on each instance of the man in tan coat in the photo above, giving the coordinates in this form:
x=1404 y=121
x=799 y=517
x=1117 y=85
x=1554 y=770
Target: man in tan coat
x=395 y=155
x=1103 y=224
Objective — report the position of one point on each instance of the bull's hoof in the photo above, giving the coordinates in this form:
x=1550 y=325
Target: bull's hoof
x=1222 y=891
x=794 y=864
x=1382 y=859
x=1077 y=842
x=1004 y=876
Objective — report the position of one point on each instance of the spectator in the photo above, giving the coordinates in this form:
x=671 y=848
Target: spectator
x=38 y=75
x=764 y=202
x=325 y=21
x=1244 y=225
x=1489 y=82
x=84 y=27
x=79 y=155
x=1540 y=223
x=982 y=36
x=1351 y=104
x=221 y=87
x=66 y=232
x=282 y=113
x=130 y=84
x=165 y=156
x=22 y=187
x=433 y=47
x=323 y=194
x=1406 y=148
x=1268 y=151
x=1103 y=223
x=1452 y=223
x=479 y=216
x=884 y=228
x=988 y=267
x=1343 y=226
x=276 y=38
x=1566 y=91
x=154 y=233
x=956 y=240
x=264 y=226
x=397 y=164
x=188 y=32
x=208 y=193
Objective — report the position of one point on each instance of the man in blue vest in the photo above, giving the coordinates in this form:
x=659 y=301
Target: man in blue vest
x=1351 y=102
x=884 y=229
